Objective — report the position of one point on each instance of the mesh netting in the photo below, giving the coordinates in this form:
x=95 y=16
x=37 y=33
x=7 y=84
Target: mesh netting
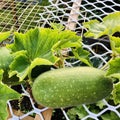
x=26 y=14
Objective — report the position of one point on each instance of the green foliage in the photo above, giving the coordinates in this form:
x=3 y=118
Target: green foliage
x=109 y=26
x=6 y=93
x=57 y=26
x=31 y=53
x=76 y=112
x=44 y=44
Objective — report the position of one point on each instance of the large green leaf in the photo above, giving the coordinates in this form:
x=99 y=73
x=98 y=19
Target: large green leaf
x=75 y=44
x=109 y=25
x=111 y=21
x=37 y=42
x=41 y=43
x=4 y=35
x=38 y=62
x=67 y=39
x=95 y=28
x=6 y=93
x=20 y=65
x=5 y=60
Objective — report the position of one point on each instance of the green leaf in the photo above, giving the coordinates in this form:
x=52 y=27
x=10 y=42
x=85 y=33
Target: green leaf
x=65 y=44
x=100 y=104
x=111 y=21
x=110 y=116
x=114 y=68
x=82 y=55
x=67 y=39
x=109 y=25
x=36 y=42
x=95 y=29
x=4 y=35
x=116 y=41
x=76 y=111
x=115 y=46
x=20 y=65
x=41 y=43
x=6 y=94
x=5 y=58
x=38 y=62
x=57 y=26
x=116 y=93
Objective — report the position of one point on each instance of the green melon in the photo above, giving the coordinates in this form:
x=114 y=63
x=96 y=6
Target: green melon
x=67 y=87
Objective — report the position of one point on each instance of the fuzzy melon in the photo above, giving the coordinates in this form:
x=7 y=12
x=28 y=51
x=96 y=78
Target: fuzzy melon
x=67 y=87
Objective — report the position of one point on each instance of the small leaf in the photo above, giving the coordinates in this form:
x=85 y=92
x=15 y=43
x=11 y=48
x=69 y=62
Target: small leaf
x=6 y=94
x=76 y=111
x=36 y=42
x=114 y=69
x=57 y=26
x=116 y=93
x=100 y=104
x=20 y=66
x=67 y=39
x=82 y=55
x=115 y=42
x=5 y=58
x=4 y=35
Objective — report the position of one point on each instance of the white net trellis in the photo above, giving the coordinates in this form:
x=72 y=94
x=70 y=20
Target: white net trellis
x=25 y=14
